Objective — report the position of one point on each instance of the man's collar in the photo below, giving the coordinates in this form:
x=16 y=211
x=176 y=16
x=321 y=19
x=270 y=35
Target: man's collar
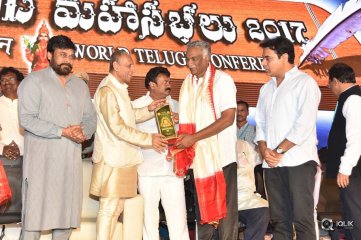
x=245 y=125
x=7 y=100
x=116 y=83
x=288 y=74
x=168 y=98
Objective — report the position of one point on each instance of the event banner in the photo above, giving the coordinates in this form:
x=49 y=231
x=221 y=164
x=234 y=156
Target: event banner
x=155 y=33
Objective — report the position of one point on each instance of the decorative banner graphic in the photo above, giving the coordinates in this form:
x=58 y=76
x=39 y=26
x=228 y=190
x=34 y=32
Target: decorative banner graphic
x=156 y=33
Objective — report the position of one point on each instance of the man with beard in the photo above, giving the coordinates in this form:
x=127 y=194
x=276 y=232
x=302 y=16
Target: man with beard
x=156 y=181
x=57 y=114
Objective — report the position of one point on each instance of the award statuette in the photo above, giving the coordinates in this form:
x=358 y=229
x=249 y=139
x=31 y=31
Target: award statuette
x=166 y=127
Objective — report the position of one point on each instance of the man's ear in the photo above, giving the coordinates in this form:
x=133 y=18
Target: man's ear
x=285 y=57
x=49 y=55
x=151 y=85
x=115 y=66
x=207 y=57
x=337 y=82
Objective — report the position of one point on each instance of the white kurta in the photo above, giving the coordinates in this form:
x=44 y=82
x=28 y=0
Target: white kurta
x=9 y=124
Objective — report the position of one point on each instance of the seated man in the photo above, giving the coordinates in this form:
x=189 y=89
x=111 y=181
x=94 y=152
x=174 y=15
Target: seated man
x=247 y=132
x=11 y=142
x=252 y=209
x=11 y=135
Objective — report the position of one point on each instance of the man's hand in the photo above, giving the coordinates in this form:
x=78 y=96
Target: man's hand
x=78 y=134
x=343 y=180
x=175 y=117
x=11 y=151
x=156 y=104
x=159 y=144
x=272 y=157
x=185 y=141
x=74 y=133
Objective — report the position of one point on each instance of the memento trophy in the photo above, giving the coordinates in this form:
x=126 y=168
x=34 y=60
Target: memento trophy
x=166 y=126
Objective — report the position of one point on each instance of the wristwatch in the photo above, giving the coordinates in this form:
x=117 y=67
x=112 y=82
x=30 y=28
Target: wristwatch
x=280 y=150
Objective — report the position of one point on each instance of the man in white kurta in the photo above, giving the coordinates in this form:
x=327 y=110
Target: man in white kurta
x=11 y=134
x=156 y=179
x=207 y=106
x=11 y=141
x=57 y=114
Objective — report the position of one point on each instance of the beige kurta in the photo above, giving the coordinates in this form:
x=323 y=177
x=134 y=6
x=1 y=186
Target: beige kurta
x=247 y=196
x=116 y=145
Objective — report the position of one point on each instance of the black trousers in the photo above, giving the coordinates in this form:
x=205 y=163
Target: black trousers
x=258 y=177
x=256 y=221
x=228 y=227
x=290 y=197
x=350 y=198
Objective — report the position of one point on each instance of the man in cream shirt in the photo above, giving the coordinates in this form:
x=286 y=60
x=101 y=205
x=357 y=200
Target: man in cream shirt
x=116 y=146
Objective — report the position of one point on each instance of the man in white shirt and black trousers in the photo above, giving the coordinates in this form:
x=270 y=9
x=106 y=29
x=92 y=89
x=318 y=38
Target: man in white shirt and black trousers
x=286 y=134
x=344 y=145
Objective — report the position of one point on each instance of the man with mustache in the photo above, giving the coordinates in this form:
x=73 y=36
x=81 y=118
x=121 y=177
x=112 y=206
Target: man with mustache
x=57 y=114
x=11 y=134
x=156 y=180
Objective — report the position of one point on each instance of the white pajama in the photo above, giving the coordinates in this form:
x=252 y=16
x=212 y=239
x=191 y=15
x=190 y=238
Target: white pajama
x=170 y=191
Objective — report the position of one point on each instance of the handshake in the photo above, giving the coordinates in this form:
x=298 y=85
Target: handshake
x=74 y=133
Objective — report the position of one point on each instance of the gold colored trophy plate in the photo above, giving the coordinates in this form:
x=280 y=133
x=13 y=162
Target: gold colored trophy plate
x=166 y=126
